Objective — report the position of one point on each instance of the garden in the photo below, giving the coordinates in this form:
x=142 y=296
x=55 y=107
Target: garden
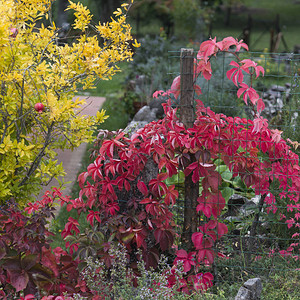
x=199 y=199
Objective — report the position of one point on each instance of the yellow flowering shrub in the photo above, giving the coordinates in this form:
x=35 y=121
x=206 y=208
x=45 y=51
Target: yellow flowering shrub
x=39 y=75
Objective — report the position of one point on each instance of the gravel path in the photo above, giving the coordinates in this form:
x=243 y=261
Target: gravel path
x=72 y=159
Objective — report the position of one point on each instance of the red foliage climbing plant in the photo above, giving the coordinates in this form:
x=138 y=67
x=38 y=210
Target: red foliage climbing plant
x=124 y=189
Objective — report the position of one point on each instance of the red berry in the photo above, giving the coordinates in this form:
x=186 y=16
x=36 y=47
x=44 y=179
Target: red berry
x=13 y=32
x=39 y=107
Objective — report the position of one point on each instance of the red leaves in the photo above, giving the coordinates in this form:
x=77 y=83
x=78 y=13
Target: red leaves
x=157 y=186
x=93 y=170
x=248 y=63
x=209 y=48
x=199 y=170
x=211 y=204
x=235 y=74
x=72 y=225
x=153 y=207
x=112 y=208
x=93 y=215
x=248 y=92
x=197 y=239
x=187 y=258
x=276 y=135
x=108 y=146
x=142 y=188
x=230 y=41
x=145 y=214
x=204 y=68
x=164 y=237
x=201 y=281
x=171 y=195
x=260 y=124
x=49 y=260
x=260 y=105
x=175 y=87
x=18 y=280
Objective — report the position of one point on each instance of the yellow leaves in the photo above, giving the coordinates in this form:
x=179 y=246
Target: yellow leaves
x=136 y=44
x=53 y=105
x=24 y=150
x=125 y=6
x=4 y=189
x=6 y=146
x=118 y=12
x=100 y=116
x=47 y=168
x=82 y=14
x=36 y=68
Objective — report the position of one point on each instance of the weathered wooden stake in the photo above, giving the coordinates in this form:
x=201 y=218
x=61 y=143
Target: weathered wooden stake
x=187 y=87
x=187 y=116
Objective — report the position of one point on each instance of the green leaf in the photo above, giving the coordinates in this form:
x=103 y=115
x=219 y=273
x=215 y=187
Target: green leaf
x=218 y=162
x=221 y=168
x=227 y=192
x=227 y=175
x=176 y=179
x=239 y=184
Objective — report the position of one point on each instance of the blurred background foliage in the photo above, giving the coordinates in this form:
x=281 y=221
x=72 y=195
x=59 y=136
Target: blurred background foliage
x=199 y=19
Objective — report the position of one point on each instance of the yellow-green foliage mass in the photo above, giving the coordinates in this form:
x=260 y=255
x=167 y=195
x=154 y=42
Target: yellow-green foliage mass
x=37 y=67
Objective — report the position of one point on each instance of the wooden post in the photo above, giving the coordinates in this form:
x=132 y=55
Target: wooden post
x=187 y=116
x=187 y=87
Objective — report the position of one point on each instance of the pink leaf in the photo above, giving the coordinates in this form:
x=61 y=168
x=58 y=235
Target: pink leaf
x=260 y=105
x=222 y=229
x=276 y=135
x=197 y=89
x=181 y=253
x=259 y=124
x=142 y=188
x=209 y=48
x=175 y=87
x=157 y=94
x=197 y=239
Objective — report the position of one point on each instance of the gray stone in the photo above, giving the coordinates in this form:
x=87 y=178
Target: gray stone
x=251 y=290
x=145 y=114
x=240 y=207
x=274 y=94
x=134 y=126
x=233 y=219
x=256 y=199
x=247 y=209
x=279 y=103
x=235 y=202
x=277 y=88
x=157 y=104
x=243 y=294
x=288 y=94
x=255 y=287
x=294 y=120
